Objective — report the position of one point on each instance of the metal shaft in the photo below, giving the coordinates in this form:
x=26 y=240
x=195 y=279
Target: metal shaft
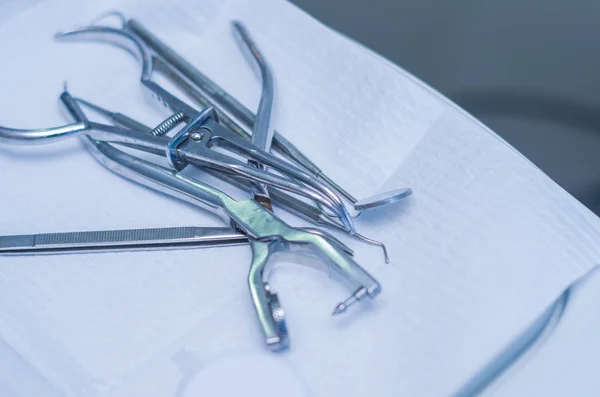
x=120 y=240
x=217 y=94
x=298 y=207
x=261 y=131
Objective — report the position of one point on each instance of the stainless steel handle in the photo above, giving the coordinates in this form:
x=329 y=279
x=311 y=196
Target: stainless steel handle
x=120 y=240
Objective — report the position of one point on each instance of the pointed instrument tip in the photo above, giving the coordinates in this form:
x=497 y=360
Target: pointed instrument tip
x=385 y=254
x=66 y=34
x=355 y=297
x=237 y=24
x=340 y=308
x=60 y=34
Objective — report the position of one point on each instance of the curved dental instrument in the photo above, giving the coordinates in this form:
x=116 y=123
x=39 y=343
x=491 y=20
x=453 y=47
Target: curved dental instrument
x=275 y=316
x=269 y=233
x=206 y=138
x=262 y=135
x=381 y=199
x=15 y=136
x=191 y=145
x=213 y=95
x=302 y=209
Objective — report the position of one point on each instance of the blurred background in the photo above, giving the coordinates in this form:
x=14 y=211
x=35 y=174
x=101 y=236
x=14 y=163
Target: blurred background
x=526 y=68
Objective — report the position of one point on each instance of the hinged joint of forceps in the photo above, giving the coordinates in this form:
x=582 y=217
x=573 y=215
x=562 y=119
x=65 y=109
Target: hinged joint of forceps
x=184 y=134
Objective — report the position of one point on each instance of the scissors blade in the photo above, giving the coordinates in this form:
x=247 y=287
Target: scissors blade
x=120 y=240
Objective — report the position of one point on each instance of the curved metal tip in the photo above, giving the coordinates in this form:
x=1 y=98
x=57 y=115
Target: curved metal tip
x=241 y=30
x=375 y=242
x=67 y=33
x=382 y=199
x=63 y=34
x=114 y=36
x=41 y=135
x=121 y=17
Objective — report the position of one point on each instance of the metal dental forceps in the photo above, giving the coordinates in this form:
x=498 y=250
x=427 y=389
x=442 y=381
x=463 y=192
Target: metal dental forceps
x=266 y=232
x=207 y=93
x=151 y=62
x=298 y=207
x=211 y=94
x=193 y=143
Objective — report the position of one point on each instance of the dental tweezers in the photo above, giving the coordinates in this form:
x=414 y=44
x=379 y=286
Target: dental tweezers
x=167 y=238
x=121 y=240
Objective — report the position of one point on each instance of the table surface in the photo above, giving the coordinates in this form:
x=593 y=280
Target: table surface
x=436 y=244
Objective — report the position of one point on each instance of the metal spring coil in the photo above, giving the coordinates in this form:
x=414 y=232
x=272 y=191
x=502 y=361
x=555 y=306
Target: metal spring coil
x=170 y=123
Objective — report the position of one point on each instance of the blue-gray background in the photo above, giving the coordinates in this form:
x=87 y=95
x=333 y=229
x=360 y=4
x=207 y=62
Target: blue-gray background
x=526 y=68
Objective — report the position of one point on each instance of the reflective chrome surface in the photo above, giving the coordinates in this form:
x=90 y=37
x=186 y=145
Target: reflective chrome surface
x=203 y=156
x=288 y=202
x=268 y=234
x=210 y=94
x=193 y=144
x=120 y=240
x=41 y=135
x=132 y=240
x=262 y=134
x=382 y=199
